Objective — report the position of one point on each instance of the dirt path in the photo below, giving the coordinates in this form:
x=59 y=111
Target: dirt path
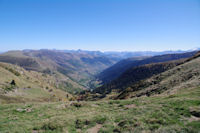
x=94 y=129
x=131 y=106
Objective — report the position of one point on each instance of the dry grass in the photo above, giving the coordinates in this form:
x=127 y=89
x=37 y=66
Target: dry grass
x=173 y=113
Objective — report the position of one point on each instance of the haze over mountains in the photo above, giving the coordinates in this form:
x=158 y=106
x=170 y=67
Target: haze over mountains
x=117 y=54
x=75 y=71
x=84 y=67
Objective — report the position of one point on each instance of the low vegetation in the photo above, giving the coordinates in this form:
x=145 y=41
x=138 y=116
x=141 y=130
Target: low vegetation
x=178 y=112
x=135 y=74
x=184 y=75
x=79 y=67
x=164 y=99
x=19 y=85
x=122 y=66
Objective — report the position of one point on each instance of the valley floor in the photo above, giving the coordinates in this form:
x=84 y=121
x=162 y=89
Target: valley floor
x=178 y=112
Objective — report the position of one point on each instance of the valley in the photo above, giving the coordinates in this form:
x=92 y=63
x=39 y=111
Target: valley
x=56 y=91
x=78 y=67
x=100 y=66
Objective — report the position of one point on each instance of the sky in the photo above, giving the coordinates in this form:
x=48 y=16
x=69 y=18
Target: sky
x=105 y=25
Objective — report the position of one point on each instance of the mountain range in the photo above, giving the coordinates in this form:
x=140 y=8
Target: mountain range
x=117 y=69
x=148 y=73
x=78 y=67
x=61 y=91
x=76 y=71
x=184 y=75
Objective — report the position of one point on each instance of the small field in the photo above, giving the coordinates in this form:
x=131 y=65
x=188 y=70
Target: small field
x=179 y=112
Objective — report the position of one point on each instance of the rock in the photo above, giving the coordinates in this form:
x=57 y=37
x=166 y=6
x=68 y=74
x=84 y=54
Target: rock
x=24 y=110
x=195 y=111
x=20 y=110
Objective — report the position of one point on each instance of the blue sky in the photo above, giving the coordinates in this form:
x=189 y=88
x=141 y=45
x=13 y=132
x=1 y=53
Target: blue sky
x=106 y=25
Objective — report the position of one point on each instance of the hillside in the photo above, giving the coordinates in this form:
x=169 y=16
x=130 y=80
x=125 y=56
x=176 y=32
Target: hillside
x=176 y=113
x=117 y=69
x=137 y=109
x=79 y=67
x=135 y=74
x=18 y=85
x=185 y=75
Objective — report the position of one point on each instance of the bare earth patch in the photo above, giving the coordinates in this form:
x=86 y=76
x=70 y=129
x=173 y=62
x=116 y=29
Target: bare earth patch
x=94 y=129
x=130 y=106
x=34 y=131
x=193 y=118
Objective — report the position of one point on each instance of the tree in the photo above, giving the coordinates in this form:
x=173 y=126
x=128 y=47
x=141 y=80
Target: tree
x=13 y=82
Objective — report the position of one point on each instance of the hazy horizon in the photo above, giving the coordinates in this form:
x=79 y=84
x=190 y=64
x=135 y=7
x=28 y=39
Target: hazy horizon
x=183 y=50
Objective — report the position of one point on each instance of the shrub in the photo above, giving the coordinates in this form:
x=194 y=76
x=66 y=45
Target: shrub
x=29 y=87
x=116 y=130
x=79 y=124
x=51 y=126
x=8 y=88
x=13 y=82
x=16 y=73
x=100 y=119
x=77 y=105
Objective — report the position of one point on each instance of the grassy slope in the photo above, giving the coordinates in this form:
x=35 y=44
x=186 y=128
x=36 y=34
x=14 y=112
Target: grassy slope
x=30 y=85
x=119 y=68
x=172 y=113
x=40 y=64
x=181 y=76
x=79 y=67
x=135 y=74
